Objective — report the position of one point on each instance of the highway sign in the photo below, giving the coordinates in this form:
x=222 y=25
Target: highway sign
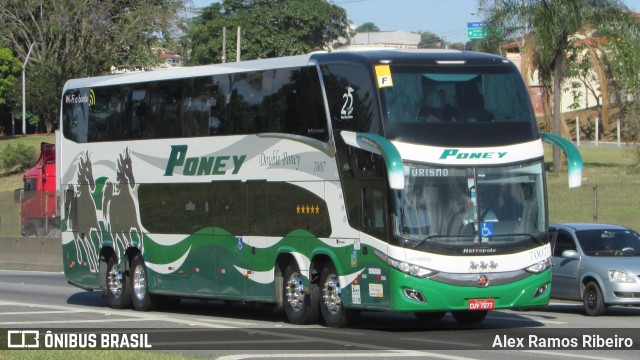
x=475 y=33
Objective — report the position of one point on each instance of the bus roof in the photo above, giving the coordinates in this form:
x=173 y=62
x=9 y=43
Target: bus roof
x=369 y=56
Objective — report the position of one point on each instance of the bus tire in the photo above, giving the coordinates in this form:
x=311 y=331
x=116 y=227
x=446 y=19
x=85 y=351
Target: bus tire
x=140 y=297
x=593 y=301
x=299 y=306
x=469 y=317
x=118 y=288
x=331 y=306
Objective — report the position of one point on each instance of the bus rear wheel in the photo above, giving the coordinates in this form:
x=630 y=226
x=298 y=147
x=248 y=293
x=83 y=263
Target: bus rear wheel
x=331 y=306
x=469 y=317
x=118 y=289
x=300 y=306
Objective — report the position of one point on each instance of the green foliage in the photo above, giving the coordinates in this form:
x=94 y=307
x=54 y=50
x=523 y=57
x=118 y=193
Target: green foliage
x=555 y=27
x=614 y=198
x=10 y=69
x=429 y=40
x=76 y=38
x=269 y=28
x=367 y=27
x=18 y=156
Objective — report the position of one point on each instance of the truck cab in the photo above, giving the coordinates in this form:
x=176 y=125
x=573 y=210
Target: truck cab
x=39 y=211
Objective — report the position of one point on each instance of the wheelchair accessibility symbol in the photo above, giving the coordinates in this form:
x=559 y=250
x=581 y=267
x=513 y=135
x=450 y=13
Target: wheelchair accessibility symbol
x=486 y=229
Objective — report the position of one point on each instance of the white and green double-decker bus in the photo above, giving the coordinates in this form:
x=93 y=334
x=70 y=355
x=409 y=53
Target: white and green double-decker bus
x=324 y=184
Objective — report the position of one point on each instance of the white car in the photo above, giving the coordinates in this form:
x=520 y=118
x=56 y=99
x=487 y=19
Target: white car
x=597 y=264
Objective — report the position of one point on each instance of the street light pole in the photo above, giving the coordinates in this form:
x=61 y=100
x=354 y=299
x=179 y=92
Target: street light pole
x=24 y=97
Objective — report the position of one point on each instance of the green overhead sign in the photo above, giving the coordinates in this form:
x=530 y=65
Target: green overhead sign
x=475 y=33
x=475 y=30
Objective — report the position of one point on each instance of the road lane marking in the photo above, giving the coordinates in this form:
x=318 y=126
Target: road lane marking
x=364 y=355
x=123 y=313
x=457 y=344
x=78 y=321
x=42 y=312
x=526 y=319
x=570 y=354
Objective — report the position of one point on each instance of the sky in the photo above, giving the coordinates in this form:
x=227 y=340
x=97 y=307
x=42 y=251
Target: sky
x=445 y=18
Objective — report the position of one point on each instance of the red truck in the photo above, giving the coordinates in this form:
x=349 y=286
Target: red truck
x=39 y=203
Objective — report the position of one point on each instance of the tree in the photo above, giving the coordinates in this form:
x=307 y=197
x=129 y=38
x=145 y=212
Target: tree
x=269 y=28
x=79 y=38
x=553 y=24
x=429 y=40
x=367 y=27
x=10 y=69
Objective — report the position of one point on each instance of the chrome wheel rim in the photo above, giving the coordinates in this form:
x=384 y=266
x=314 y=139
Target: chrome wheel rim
x=139 y=282
x=295 y=292
x=331 y=296
x=114 y=281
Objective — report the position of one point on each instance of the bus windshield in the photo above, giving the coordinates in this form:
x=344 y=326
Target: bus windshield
x=475 y=205
x=457 y=103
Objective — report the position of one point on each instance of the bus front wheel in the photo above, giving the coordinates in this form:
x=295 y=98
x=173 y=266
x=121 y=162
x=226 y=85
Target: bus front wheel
x=118 y=289
x=300 y=306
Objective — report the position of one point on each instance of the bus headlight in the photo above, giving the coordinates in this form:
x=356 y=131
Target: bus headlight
x=540 y=266
x=407 y=268
x=621 y=276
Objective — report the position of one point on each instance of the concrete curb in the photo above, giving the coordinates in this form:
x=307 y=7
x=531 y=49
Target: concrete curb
x=31 y=253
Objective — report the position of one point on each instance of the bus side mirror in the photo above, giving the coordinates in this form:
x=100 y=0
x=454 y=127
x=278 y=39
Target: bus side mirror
x=16 y=195
x=574 y=159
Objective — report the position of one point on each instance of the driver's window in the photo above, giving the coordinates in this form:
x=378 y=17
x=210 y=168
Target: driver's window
x=563 y=242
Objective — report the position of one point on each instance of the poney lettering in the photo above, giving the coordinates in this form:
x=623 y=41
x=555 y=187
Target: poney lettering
x=447 y=153
x=198 y=166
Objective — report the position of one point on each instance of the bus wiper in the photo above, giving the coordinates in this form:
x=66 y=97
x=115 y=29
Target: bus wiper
x=425 y=240
x=518 y=234
x=430 y=237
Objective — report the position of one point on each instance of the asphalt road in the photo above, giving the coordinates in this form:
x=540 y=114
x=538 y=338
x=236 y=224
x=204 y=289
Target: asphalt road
x=44 y=301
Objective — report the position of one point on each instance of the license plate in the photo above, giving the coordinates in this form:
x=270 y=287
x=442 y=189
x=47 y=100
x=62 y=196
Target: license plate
x=481 y=304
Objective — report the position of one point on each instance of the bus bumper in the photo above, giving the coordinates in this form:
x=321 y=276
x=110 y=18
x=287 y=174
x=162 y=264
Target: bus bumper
x=420 y=294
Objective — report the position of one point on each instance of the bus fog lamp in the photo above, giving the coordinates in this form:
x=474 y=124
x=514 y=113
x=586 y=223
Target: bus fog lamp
x=414 y=295
x=541 y=290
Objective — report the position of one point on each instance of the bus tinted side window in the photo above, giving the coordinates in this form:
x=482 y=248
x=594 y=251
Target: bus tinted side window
x=282 y=100
x=351 y=97
x=297 y=106
x=244 y=111
x=76 y=115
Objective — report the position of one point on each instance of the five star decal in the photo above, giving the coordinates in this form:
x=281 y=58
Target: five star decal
x=307 y=209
